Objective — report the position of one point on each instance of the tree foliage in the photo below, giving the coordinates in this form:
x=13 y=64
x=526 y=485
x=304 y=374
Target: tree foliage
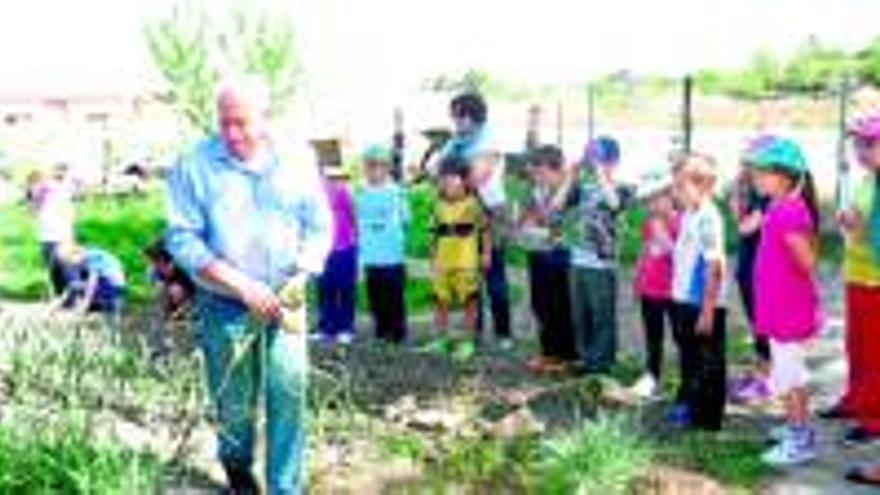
x=193 y=47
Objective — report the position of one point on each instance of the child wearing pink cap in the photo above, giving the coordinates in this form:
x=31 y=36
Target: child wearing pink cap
x=860 y=221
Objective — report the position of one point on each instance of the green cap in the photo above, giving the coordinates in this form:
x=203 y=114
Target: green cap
x=377 y=153
x=779 y=153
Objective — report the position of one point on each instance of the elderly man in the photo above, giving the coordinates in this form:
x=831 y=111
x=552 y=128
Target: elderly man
x=243 y=222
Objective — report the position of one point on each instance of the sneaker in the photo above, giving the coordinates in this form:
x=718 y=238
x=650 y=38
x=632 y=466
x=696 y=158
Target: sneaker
x=345 y=338
x=536 y=363
x=679 y=416
x=798 y=447
x=858 y=436
x=836 y=411
x=752 y=390
x=319 y=337
x=645 y=387
x=779 y=433
x=506 y=344
x=464 y=350
x=439 y=345
x=863 y=475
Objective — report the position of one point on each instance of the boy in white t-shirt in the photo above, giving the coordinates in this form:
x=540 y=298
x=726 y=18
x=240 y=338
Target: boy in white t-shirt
x=699 y=293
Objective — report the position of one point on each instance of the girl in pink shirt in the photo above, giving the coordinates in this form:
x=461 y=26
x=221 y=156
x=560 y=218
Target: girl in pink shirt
x=786 y=290
x=653 y=279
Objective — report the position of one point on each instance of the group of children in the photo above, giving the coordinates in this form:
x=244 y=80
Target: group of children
x=569 y=227
x=84 y=279
x=682 y=276
x=370 y=232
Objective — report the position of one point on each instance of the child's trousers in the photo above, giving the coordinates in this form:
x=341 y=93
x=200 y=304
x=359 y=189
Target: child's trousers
x=703 y=362
x=594 y=315
x=337 y=292
x=862 y=398
x=551 y=303
x=655 y=315
x=385 y=290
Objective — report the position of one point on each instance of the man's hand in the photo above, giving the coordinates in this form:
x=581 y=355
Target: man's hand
x=706 y=322
x=261 y=300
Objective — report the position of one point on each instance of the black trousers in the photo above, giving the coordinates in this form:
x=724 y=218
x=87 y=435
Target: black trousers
x=747 y=291
x=551 y=303
x=703 y=362
x=655 y=314
x=385 y=286
x=495 y=280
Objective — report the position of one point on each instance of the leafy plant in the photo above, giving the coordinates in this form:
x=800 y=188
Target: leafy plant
x=603 y=456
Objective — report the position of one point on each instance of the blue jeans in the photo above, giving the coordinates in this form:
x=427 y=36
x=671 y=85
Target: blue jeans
x=244 y=359
x=337 y=291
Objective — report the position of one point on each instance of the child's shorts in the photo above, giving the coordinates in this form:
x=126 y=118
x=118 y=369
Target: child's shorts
x=789 y=366
x=456 y=286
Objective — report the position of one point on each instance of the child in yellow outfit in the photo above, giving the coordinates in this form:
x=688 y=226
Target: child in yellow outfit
x=462 y=246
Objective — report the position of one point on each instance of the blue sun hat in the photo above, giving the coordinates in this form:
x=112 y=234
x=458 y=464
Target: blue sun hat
x=603 y=151
x=779 y=153
x=378 y=154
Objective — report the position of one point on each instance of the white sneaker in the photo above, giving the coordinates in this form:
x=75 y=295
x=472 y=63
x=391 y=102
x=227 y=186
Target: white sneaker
x=345 y=338
x=506 y=344
x=779 y=433
x=798 y=447
x=645 y=387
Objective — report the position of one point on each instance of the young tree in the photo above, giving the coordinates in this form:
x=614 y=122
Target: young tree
x=868 y=60
x=193 y=47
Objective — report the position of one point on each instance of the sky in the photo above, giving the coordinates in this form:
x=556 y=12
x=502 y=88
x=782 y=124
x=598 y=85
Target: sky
x=368 y=45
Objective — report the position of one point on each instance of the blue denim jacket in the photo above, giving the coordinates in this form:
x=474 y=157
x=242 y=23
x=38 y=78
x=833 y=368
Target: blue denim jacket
x=268 y=221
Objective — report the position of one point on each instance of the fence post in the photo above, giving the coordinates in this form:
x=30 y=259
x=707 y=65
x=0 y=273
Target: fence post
x=591 y=112
x=533 y=127
x=398 y=145
x=559 y=123
x=843 y=183
x=687 y=120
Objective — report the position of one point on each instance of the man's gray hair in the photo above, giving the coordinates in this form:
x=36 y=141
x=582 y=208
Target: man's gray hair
x=251 y=88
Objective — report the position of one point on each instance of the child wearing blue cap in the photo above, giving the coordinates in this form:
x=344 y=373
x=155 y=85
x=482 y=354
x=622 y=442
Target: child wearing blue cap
x=591 y=234
x=786 y=289
x=382 y=218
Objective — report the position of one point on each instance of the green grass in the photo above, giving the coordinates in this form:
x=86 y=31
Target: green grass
x=605 y=455
x=68 y=460
x=602 y=455
x=63 y=387
x=732 y=457
x=22 y=275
